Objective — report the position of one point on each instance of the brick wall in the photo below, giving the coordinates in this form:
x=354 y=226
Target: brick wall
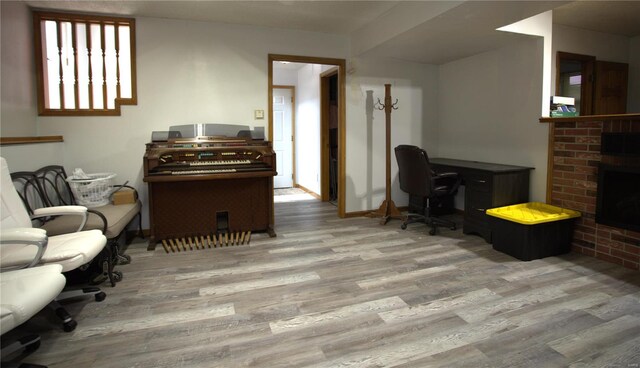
x=576 y=154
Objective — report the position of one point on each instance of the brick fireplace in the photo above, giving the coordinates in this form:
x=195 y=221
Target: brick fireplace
x=574 y=180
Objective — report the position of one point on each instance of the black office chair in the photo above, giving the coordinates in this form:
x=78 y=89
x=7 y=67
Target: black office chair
x=417 y=179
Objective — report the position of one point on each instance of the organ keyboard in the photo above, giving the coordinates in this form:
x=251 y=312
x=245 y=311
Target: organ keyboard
x=208 y=156
x=209 y=186
x=204 y=171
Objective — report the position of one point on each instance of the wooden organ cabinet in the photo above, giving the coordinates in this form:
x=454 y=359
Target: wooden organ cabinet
x=206 y=191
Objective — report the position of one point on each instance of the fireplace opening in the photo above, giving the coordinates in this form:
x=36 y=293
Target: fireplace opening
x=618 y=197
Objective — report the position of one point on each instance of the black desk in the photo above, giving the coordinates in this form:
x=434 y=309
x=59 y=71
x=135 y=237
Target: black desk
x=487 y=185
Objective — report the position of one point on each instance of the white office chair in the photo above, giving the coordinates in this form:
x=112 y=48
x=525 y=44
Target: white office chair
x=24 y=292
x=71 y=251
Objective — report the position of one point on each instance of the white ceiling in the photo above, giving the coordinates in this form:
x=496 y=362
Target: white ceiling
x=616 y=17
x=462 y=31
x=431 y=32
x=339 y=17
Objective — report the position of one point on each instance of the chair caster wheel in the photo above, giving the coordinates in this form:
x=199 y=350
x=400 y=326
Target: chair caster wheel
x=403 y=226
x=100 y=296
x=69 y=326
x=123 y=259
x=432 y=232
x=117 y=276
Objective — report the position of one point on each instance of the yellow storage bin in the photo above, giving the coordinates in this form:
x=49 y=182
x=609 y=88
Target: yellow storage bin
x=532 y=213
x=532 y=230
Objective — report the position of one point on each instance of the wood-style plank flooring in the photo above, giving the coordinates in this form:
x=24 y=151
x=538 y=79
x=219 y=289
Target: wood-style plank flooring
x=330 y=292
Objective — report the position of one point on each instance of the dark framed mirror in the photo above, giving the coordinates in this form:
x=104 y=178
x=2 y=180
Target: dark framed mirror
x=574 y=78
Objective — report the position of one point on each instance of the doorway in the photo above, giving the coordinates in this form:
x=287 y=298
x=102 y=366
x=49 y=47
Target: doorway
x=323 y=176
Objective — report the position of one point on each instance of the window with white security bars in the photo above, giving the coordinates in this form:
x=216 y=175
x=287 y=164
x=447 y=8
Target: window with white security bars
x=85 y=64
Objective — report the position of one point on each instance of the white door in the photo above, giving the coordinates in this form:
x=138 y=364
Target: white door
x=282 y=137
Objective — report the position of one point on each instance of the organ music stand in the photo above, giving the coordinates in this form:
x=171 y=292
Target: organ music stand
x=388 y=209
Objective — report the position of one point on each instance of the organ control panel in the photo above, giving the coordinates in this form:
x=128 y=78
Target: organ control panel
x=191 y=159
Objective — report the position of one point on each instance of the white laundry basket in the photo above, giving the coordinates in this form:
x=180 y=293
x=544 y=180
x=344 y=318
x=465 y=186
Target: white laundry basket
x=94 y=191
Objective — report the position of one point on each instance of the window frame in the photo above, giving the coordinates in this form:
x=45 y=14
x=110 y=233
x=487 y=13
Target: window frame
x=38 y=17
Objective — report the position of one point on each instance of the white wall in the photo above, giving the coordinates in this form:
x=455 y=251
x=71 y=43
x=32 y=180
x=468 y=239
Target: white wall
x=30 y=157
x=19 y=110
x=414 y=122
x=604 y=46
x=539 y=25
x=284 y=77
x=489 y=106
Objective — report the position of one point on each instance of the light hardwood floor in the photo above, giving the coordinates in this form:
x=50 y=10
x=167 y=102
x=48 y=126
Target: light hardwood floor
x=329 y=292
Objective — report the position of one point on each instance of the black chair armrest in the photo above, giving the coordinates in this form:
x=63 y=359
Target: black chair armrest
x=447 y=179
x=445 y=175
x=105 y=224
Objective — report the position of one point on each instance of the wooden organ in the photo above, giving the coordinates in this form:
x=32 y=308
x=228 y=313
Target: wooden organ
x=208 y=191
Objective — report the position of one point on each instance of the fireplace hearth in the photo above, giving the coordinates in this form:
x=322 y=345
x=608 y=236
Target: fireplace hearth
x=618 y=196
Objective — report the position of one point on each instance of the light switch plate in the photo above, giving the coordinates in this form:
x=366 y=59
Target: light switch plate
x=258 y=114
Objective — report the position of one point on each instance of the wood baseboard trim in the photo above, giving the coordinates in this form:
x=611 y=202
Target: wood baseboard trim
x=313 y=194
x=365 y=213
x=402 y=209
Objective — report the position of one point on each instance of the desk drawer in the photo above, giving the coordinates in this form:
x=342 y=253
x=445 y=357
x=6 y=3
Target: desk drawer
x=479 y=182
x=475 y=219
x=476 y=202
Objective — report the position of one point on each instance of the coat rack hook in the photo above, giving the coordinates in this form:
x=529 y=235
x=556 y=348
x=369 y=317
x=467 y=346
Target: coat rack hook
x=379 y=105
